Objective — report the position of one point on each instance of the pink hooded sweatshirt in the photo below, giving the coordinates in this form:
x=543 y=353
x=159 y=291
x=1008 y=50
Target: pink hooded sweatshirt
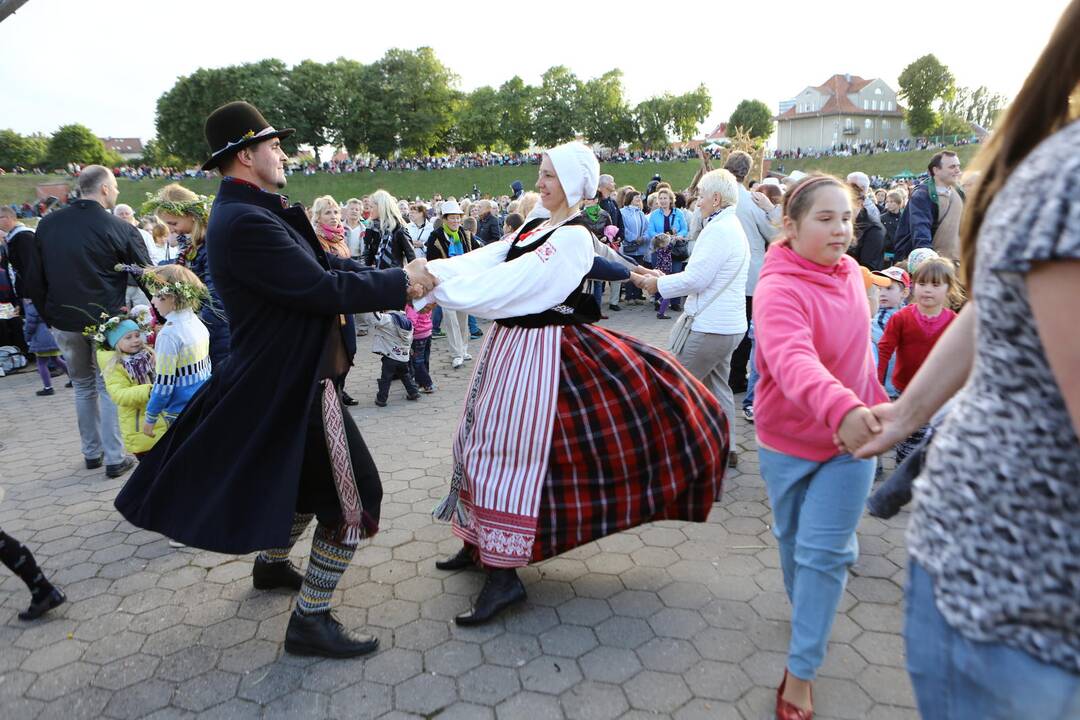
x=812 y=335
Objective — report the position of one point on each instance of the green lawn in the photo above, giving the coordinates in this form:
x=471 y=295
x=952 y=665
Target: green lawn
x=495 y=180
x=884 y=164
x=407 y=184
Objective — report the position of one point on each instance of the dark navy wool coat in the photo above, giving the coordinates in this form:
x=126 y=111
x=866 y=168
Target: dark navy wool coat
x=226 y=476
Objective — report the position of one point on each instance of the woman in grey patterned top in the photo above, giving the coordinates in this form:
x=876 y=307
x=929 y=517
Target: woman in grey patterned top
x=993 y=616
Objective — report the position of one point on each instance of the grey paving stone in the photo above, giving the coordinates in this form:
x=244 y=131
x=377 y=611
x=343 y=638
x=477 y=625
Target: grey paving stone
x=668 y=655
x=207 y=690
x=656 y=692
x=453 y=658
x=139 y=700
x=635 y=603
x=393 y=666
x=677 y=623
x=425 y=694
x=466 y=711
x=126 y=671
x=624 y=632
x=610 y=664
x=61 y=681
x=234 y=709
x=488 y=685
x=51 y=657
x=594 y=701
x=707 y=710
x=83 y=704
x=361 y=700
x=531 y=620
x=550 y=675
x=187 y=663
x=568 y=641
x=268 y=684
x=530 y=705
x=718 y=681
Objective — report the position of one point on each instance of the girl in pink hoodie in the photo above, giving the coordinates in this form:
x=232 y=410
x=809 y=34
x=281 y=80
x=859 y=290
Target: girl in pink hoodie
x=817 y=381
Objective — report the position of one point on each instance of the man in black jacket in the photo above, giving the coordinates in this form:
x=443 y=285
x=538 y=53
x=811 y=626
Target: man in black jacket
x=488 y=229
x=80 y=247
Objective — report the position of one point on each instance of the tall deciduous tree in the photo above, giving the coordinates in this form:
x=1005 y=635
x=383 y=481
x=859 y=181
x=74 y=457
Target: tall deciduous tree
x=516 y=101
x=924 y=84
x=22 y=150
x=978 y=105
x=603 y=115
x=477 y=126
x=350 y=110
x=182 y=110
x=553 y=122
x=689 y=110
x=312 y=89
x=753 y=117
x=420 y=93
x=75 y=144
x=652 y=118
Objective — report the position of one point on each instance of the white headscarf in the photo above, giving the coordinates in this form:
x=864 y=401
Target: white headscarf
x=578 y=171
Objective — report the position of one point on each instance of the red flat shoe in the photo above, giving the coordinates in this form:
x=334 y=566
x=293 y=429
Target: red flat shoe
x=787 y=711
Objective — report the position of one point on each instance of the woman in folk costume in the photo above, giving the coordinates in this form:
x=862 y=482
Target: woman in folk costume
x=570 y=431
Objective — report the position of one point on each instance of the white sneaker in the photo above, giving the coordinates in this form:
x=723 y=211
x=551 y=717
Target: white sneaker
x=457 y=362
x=468 y=356
x=174 y=544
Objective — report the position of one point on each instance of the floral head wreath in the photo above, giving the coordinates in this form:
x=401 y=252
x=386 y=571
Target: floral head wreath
x=199 y=207
x=188 y=295
x=100 y=331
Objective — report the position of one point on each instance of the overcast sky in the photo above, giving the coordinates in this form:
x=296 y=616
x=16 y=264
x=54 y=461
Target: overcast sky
x=105 y=64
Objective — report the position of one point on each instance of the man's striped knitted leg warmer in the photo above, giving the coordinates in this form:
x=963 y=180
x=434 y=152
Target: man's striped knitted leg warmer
x=280 y=555
x=328 y=562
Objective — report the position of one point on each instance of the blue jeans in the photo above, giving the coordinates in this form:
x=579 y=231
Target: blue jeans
x=748 y=399
x=960 y=679
x=436 y=319
x=474 y=327
x=99 y=425
x=816 y=507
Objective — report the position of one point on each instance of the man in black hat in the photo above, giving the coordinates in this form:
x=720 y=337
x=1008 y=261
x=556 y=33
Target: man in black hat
x=266 y=446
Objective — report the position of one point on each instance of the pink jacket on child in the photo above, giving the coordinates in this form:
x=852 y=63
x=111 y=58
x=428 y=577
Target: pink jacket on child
x=812 y=336
x=421 y=322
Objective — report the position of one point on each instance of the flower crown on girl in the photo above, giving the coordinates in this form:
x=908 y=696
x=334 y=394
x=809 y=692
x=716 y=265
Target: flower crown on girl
x=199 y=207
x=110 y=329
x=185 y=286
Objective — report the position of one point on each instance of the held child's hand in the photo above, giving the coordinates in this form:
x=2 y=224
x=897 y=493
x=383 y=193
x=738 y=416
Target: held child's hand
x=148 y=429
x=895 y=426
x=857 y=428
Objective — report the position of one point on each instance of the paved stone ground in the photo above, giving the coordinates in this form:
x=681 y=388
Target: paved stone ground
x=666 y=620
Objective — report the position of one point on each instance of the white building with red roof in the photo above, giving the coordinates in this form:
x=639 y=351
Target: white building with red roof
x=128 y=148
x=844 y=110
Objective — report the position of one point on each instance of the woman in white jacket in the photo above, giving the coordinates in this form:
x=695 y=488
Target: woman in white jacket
x=714 y=282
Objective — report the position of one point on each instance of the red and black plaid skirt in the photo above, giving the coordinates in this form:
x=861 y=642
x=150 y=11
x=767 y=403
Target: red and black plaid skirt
x=637 y=438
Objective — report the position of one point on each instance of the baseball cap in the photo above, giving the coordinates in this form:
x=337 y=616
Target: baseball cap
x=870 y=278
x=898 y=274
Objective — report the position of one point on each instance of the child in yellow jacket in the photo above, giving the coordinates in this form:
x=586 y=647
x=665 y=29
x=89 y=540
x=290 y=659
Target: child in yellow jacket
x=128 y=370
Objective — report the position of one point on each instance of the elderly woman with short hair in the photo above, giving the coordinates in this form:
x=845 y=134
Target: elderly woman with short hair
x=714 y=282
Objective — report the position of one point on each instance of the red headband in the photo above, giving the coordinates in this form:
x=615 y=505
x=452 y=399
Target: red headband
x=805 y=184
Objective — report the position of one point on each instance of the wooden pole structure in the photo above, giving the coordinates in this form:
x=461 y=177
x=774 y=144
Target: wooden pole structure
x=8 y=7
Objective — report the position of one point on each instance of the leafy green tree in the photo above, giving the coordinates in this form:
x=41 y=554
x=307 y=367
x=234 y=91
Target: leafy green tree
x=75 y=144
x=516 y=105
x=924 y=84
x=553 y=122
x=156 y=156
x=478 y=120
x=422 y=94
x=689 y=110
x=312 y=88
x=22 y=150
x=652 y=118
x=182 y=110
x=350 y=109
x=603 y=114
x=753 y=117
x=978 y=105
x=953 y=125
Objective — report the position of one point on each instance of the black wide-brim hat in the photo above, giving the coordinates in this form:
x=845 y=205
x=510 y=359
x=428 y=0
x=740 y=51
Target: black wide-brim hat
x=235 y=126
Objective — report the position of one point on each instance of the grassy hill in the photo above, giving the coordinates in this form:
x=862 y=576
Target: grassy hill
x=884 y=164
x=494 y=180
x=402 y=184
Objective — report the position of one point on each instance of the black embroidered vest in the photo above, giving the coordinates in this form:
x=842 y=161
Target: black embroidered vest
x=579 y=308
